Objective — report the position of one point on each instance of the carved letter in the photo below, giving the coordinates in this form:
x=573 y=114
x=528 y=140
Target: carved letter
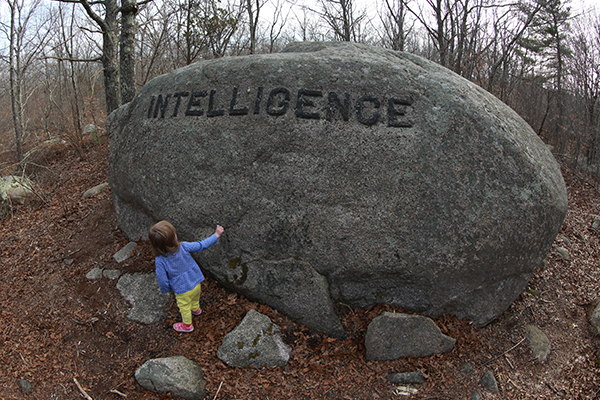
x=211 y=101
x=359 y=110
x=258 y=100
x=178 y=96
x=151 y=106
x=162 y=106
x=195 y=103
x=392 y=112
x=282 y=106
x=301 y=102
x=236 y=111
x=333 y=99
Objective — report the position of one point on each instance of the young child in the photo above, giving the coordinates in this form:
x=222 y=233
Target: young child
x=177 y=271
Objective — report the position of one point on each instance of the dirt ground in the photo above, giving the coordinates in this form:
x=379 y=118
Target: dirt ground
x=58 y=328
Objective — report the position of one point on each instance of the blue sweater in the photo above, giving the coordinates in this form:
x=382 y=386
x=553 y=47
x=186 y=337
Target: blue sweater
x=178 y=272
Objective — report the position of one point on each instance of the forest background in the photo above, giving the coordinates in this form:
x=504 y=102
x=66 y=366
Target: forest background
x=68 y=63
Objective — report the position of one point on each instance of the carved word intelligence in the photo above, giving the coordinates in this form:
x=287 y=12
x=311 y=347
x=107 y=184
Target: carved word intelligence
x=308 y=104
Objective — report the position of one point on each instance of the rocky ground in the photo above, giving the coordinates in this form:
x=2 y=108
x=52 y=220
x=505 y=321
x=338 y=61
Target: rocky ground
x=59 y=330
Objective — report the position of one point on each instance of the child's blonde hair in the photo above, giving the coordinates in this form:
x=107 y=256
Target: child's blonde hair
x=163 y=237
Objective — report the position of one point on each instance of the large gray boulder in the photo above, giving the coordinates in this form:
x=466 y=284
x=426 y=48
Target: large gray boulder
x=384 y=177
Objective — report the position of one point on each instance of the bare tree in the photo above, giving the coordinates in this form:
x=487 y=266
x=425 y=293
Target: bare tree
x=343 y=19
x=253 y=8
x=26 y=38
x=119 y=67
x=586 y=80
x=394 y=22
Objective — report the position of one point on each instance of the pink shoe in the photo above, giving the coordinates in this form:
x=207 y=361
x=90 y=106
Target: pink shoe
x=197 y=312
x=181 y=327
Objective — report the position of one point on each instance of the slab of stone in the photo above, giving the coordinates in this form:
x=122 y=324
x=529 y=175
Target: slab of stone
x=255 y=342
x=94 y=274
x=26 y=386
x=489 y=382
x=149 y=305
x=125 y=252
x=394 y=335
x=392 y=178
x=111 y=274
x=178 y=375
x=95 y=190
x=538 y=342
x=564 y=253
x=467 y=368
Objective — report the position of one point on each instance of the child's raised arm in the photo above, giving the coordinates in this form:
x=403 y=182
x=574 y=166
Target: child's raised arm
x=219 y=231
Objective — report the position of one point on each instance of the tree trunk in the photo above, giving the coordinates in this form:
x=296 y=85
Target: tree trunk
x=129 y=10
x=16 y=92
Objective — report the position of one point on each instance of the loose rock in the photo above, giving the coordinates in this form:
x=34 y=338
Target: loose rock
x=467 y=368
x=177 y=375
x=111 y=274
x=394 y=335
x=488 y=381
x=538 y=342
x=149 y=305
x=95 y=190
x=125 y=252
x=26 y=386
x=94 y=274
x=254 y=342
x=564 y=253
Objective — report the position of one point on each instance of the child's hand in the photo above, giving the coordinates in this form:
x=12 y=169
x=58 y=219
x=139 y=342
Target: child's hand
x=219 y=231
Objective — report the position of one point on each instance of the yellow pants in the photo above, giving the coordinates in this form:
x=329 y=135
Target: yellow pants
x=187 y=302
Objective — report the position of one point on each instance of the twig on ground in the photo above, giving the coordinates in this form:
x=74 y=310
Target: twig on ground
x=117 y=392
x=503 y=354
x=83 y=393
x=508 y=361
x=218 y=390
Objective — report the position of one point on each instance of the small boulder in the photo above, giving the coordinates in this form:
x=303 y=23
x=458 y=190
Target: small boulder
x=26 y=386
x=538 y=342
x=254 y=342
x=394 y=335
x=467 y=368
x=95 y=190
x=177 y=375
x=149 y=305
x=488 y=381
x=16 y=189
x=564 y=253
x=94 y=274
x=125 y=252
x=596 y=225
x=111 y=274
